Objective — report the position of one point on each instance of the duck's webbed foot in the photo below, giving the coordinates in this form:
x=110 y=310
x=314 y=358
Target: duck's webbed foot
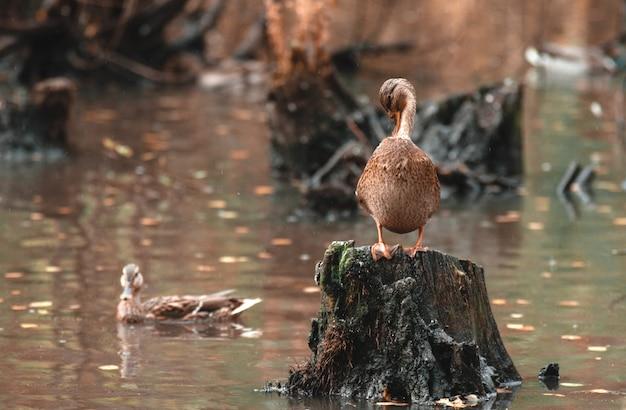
x=382 y=250
x=412 y=251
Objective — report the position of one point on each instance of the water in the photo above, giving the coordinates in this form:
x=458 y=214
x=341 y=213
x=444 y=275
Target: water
x=190 y=207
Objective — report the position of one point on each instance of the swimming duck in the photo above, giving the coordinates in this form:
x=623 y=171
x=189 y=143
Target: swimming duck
x=216 y=306
x=399 y=187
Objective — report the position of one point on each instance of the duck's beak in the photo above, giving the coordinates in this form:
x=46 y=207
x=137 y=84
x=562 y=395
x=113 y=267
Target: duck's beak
x=127 y=293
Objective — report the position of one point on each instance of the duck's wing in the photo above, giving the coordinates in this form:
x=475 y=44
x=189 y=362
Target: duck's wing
x=195 y=307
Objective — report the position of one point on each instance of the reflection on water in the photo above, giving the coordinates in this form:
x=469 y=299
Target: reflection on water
x=196 y=207
x=189 y=196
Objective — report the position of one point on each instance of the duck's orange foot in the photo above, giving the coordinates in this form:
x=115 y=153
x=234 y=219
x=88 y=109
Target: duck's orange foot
x=412 y=251
x=382 y=250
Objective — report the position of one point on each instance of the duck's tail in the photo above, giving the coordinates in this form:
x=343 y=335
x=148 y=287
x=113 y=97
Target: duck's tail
x=247 y=304
x=225 y=292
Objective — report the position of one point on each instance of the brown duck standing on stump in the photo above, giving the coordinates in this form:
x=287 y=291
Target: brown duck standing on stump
x=399 y=187
x=216 y=306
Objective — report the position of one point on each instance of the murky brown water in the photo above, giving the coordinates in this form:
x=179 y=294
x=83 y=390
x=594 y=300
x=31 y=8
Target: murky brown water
x=186 y=208
x=188 y=201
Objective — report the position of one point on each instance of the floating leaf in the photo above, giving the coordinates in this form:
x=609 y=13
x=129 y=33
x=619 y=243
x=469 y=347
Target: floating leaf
x=264 y=255
x=64 y=210
x=597 y=348
x=146 y=242
x=205 y=268
x=233 y=259
x=263 y=190
x=40 y=304
x=120 y=149
x=224 y=214
x=281 y=242
x=522 y=301
x=147 y=221
x=16 y=292
x=239 y=154
x=392 y=403
x=241 y=114
x=511 y=216
x=200 y=174
x=546 y=275
x=311 y=289
x=569 y=303
x=305 y=257
x=18 y=308
x=567 y=384
x=456 y=403
x=242 y=230
x=29 y=325
x=621 y=221
x=517 y=315
x=252 y=334
x=36 y=216
x=108 y=367
x=600 y=391
x=498 y=301
x=74 y=306
x=520 y=327
x=13 y=275
x=52 y=269
x=222 y=130
x=535 y=226
x=217 y=204
x=570 y=337
x=578 y=264
x=554 y=394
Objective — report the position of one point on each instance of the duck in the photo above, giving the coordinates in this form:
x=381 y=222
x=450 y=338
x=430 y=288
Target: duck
x=187 y=308
x=567 y=62
x=398 y=187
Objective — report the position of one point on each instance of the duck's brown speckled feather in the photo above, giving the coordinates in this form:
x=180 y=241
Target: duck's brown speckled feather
x=180 y=307
x=399 y=186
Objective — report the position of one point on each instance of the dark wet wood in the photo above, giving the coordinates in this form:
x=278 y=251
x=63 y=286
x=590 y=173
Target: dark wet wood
x=474 y=139
x=124 y=38
x=38 y=124
x=416 y=329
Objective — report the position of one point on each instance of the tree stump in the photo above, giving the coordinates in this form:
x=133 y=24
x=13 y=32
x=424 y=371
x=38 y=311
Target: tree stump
x=412 y=330
x=37 y=125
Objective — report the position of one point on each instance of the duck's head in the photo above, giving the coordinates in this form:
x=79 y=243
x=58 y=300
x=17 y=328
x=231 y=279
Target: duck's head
x=397 y=97
x=131 y=281
x=129 y=309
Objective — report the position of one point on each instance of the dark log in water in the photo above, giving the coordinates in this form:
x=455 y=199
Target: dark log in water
x=38 y=124
x=161 y=42
x=474 y=139
x=311 y=116
x=415 y=330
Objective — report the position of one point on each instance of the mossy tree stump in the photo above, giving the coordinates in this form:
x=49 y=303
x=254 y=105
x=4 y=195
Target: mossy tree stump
x=409 y=329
